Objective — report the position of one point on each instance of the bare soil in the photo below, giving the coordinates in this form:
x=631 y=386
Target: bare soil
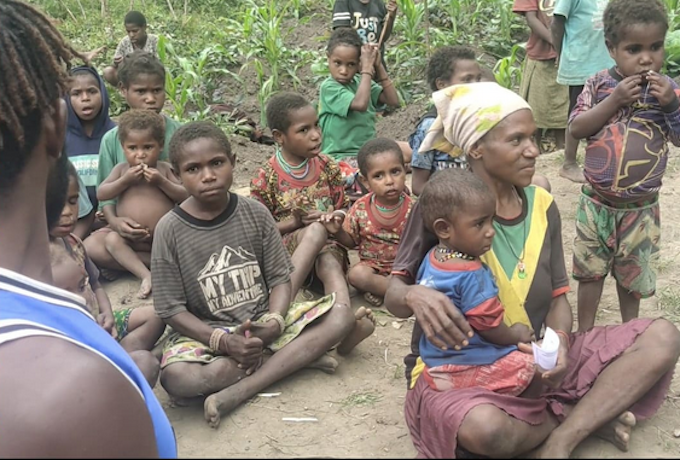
x=359 y=410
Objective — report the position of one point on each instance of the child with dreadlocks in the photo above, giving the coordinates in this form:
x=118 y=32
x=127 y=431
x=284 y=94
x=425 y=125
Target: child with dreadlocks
x=145 y=189
x=628 y=113
x=55 y=358
x=142 y=84
x=303 y=189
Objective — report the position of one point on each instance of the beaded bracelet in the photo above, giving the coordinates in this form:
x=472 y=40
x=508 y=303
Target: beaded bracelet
x=215 y=337
x=276 y=317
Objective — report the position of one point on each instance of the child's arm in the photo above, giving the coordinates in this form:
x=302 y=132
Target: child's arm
x=557 y=32
x=105 y=318
x=119 y=181
x=508 y=335
x=420 y=178
x=537 y=27
x=391 y=15
x=389 y=94
x=665 y=91
x=362 y=98
x=167 y=182
x=589 y=117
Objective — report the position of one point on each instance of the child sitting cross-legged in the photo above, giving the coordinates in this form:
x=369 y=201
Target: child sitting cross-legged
x=136 y=329
x=375 y=221
x=222 y=281
x=144 y=187
x=300 y=186
x=459 y=208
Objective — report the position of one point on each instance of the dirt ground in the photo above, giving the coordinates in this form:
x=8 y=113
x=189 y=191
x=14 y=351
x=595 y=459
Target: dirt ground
x=358 y=411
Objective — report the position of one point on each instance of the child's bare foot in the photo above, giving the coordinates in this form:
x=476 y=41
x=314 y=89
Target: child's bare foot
x=573 y=172
x=219 y=404
x=364 y=327
x=373 y=299
x=144 y=289
x=618 y=431
x=325 y=363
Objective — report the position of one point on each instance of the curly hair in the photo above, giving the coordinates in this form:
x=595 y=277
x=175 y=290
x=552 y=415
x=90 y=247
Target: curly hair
x=136 y=18
x=449 y=191
x=197 y=130
x=442 y=64
x=137 y=63
x=375 y=147
x=279 y=109
x=142 y=120
x=344 y=36
x=621 y=14
x=33 y=62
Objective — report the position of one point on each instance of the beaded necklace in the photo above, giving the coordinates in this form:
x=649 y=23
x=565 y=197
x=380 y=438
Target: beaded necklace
x=291 y=170
x=386 y=210
x=448 y=254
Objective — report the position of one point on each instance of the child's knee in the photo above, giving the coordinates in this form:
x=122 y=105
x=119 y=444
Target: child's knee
x=112 y=240
x=358 y=273
x=315 y=234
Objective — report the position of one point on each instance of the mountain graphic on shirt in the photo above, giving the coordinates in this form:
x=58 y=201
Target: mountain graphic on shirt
x=220 y=262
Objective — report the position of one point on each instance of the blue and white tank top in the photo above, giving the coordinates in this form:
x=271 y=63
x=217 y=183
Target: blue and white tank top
x=29 y=308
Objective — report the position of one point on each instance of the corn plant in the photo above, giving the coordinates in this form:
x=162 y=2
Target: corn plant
x=508 y=70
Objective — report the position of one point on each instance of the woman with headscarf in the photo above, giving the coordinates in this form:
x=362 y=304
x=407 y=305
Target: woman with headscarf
x=604 y=380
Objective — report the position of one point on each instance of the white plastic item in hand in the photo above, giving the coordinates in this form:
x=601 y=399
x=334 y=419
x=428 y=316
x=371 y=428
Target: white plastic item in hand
x=545 y=355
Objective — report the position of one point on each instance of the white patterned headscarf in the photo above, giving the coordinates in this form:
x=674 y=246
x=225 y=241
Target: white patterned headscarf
x=465 y=113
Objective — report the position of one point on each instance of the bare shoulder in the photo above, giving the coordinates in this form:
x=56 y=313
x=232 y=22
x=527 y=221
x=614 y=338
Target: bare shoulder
x=119 y=170
x=61 y=400
x=166 y=169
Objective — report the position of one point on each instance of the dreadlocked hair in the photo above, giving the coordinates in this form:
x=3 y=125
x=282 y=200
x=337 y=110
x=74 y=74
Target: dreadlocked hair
x=33 y=61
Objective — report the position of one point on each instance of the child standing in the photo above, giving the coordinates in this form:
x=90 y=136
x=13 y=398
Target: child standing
x=368 y=18
x=299 y=186
x=627 y=113
x=136 y=329
x=136 y=39
x=222 y=278
x=459 y=208
x=375 y=222
x=145 y=189
x=349 y=97
x=142 y=80
x=578 y=39
x=450 y=65
x=88 y=120
x=548 y=99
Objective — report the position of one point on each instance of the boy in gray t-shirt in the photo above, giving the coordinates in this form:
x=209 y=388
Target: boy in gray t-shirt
x=223 y=278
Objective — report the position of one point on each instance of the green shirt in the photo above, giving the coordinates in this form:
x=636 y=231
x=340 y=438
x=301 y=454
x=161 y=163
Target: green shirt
x=345 y=131
x=111 y=153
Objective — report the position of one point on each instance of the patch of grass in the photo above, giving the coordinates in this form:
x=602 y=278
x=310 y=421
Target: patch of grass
x=361 y=399
x=663 y=264
x=669 y=302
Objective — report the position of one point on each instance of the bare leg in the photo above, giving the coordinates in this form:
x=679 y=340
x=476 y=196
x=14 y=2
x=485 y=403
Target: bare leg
x=310 y=345
x=405 y=151
x=589 y=293
x=191 y=380
x=311 y=240
x=120 y=250
x=487 y=430
x=619 y=386
x=84 y=226
x=111 y=76
x=559 y=138
x=95 y=245
x=364 y=325
x=570 y=168
x=148 y=364
x=629 y=304
x=144 y=330
x=366 y=279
